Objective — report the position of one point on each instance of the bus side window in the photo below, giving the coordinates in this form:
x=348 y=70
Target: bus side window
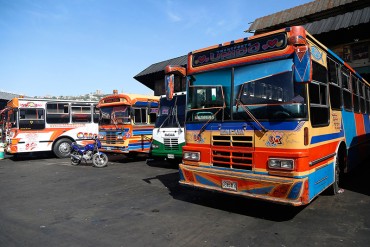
x=153 y=115
x=96 y=114
x=367 y=94
x=334 y=85
x=318 y=92
x=81 y=113
x=31 y=118
x=140 y=116
x=347 y=96
x=57 y=113
x=355 y=97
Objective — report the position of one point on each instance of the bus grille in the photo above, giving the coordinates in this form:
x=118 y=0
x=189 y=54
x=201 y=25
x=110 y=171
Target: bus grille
x=111 y=138
x=240 y=157
x=171 y=144
x=233 y=141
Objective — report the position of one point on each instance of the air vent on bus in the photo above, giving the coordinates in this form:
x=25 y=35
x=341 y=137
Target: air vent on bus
x=232 y=159
x=171 y=144
x=232 y=141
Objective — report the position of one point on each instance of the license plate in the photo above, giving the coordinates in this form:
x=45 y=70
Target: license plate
x=229 y=185
x=170 y=156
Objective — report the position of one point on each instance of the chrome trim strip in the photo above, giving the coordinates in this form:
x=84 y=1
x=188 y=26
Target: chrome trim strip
x=312 y=163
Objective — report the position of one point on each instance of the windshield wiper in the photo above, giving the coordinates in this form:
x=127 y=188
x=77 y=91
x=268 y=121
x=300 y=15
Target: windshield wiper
x=209 y=120
x=250 y=114
x=170 y=114
x=176 y=116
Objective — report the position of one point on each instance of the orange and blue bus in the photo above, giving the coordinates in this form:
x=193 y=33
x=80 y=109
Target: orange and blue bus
x=126 y=123
x=276 y=116
x=33 y=125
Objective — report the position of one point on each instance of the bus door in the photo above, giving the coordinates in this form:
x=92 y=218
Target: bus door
x=30 y=119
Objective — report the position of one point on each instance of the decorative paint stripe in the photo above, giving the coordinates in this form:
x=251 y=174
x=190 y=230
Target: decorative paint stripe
x=145 y=103
x=349 y=125
x=203 y=180
x=260 y=191
x=145 y=146
x=312 y=163
x=326 y=137
x=243 y=125
x=142 y=132
x=294 y=192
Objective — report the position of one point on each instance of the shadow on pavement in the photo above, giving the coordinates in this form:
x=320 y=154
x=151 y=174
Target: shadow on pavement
x=122 y=158
x=225 y=202
x=31 y=156
x=358 y=179
x=167 y=164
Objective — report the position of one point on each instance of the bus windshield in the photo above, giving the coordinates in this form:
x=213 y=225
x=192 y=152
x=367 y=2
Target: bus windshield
x=205 y=103
x=114 y=115
x=171 y=112
x=272 y=97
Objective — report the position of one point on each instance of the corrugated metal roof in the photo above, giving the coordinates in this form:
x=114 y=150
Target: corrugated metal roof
x=156 y=71
x=316 y=10
x=162 y=65
x=7 y=96
x=340 y=21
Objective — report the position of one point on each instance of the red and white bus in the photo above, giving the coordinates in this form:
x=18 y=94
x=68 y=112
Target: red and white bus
x=33 y=125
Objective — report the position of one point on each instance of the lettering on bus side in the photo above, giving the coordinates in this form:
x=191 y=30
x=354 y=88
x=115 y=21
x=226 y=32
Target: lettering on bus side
x=242 y=49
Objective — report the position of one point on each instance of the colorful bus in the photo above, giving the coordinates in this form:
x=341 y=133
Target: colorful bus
x=277 y=116
x=169 y=133
x=126 y=123
x=33 y=125
x=2 y=125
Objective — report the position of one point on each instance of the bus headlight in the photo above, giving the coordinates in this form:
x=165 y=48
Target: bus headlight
x=101 y=137
x=155 y=146
x=194 y=156
x=287 y=164
x=119 y=137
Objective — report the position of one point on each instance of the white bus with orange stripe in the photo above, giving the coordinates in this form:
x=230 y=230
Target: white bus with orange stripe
x=33 y=125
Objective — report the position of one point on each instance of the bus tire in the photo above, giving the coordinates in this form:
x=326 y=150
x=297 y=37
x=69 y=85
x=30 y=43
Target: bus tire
x=334 y=188
x=62 y=148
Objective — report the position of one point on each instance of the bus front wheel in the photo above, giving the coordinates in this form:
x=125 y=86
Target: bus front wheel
x=62 y=148
x=334 y=188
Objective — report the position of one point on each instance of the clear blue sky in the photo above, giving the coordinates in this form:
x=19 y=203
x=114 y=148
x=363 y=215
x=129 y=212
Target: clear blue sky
x=73 y=47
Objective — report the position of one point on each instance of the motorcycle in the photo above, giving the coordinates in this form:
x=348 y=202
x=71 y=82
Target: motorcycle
x=88 y=152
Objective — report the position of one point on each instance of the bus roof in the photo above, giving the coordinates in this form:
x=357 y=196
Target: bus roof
x=14 y=103
x=126 y=99
x=226 y=46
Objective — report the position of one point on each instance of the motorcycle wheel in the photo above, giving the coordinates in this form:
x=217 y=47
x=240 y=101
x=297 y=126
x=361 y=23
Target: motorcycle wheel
x=100 y=160
x=75 y=162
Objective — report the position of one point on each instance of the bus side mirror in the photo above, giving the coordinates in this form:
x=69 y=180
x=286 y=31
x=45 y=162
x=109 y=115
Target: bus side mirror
x=169 y=86
x=169 y=81
x=302 y=64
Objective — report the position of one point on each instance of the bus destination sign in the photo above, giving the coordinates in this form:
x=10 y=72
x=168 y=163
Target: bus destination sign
x=242 y=49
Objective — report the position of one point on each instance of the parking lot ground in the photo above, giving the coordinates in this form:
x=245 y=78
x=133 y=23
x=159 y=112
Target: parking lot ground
x=47 y=202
